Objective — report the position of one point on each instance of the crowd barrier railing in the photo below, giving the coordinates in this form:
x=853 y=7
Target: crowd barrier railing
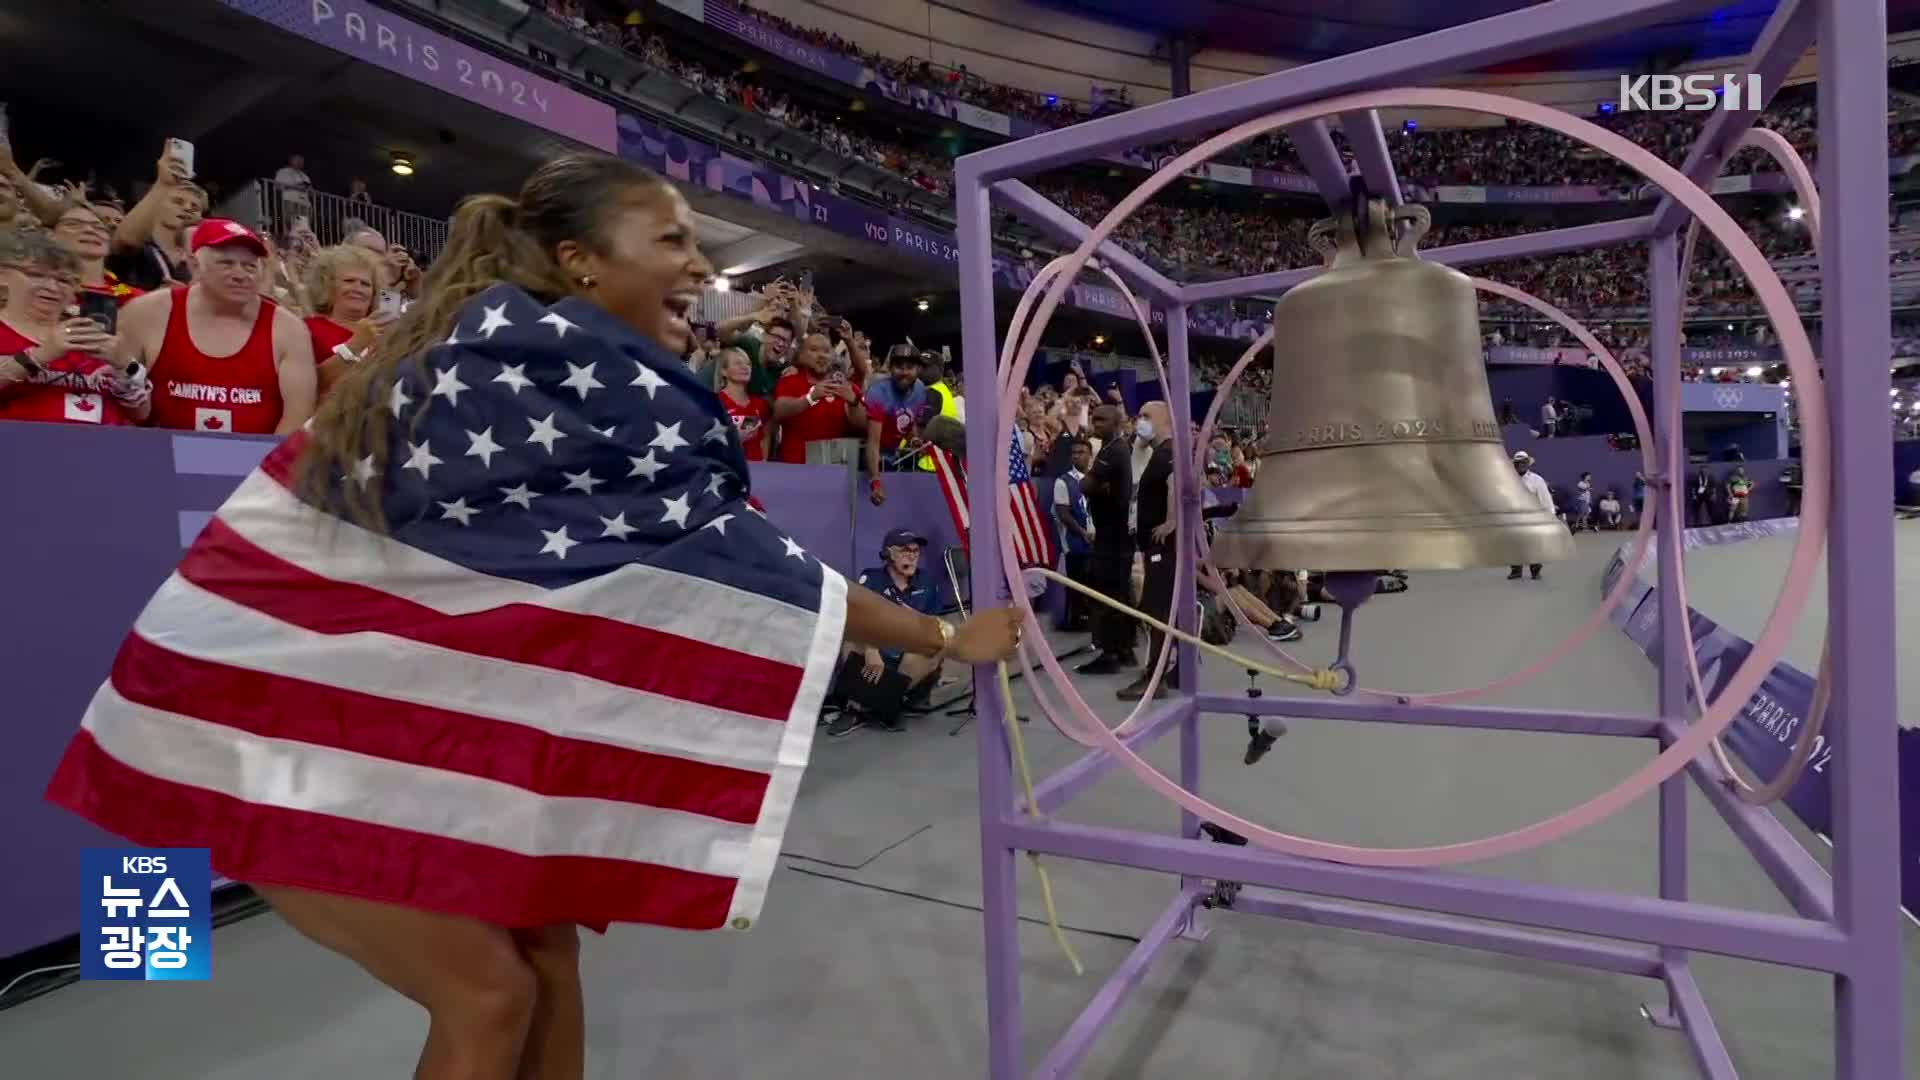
x=268 y=205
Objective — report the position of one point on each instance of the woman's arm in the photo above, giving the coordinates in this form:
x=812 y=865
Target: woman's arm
x=872 y=619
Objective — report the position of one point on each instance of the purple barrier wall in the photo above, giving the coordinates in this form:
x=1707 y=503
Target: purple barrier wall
x=1562 y=461
x=99 y=524
x=1906 y=459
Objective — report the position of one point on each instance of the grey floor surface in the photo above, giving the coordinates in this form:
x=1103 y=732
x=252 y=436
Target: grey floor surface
x=867 y=963
x=1742 y=580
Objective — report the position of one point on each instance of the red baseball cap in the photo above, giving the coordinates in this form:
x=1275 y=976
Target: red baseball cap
x=219 y=232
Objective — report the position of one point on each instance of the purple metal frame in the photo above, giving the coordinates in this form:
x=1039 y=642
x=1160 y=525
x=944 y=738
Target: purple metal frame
x=1847 y=926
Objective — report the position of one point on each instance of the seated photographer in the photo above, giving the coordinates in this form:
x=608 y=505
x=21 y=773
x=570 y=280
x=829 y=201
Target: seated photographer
x=874 y=685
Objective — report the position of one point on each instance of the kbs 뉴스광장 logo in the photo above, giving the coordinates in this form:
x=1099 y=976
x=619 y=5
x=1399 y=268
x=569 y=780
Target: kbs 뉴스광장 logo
x=146 y=914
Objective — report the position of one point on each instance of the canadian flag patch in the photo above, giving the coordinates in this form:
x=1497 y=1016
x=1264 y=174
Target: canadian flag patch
x=83 y=408
x=212 y=420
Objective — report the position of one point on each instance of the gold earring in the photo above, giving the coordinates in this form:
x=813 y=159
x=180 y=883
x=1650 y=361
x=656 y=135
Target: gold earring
x=587 y=281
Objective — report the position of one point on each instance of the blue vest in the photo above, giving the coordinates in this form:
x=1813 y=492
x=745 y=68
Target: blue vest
x=1077 y=510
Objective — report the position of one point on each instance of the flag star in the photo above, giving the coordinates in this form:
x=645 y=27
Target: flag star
x=581 y=379
x=457 y=510
x=496 y=318
x=667 y=436
x=363 y=472
x=677 y=510
x=521 y=496
x=545 y=432
x=719 y=524
x=453 y=336
x=399 y=399
x=617 y=527
x=515 y=376
x=558 y=322
x=718 y=432
x=648 y=378
x=648 y=466
x=715 y=483
x=447 y=384
x=583 y=481
x=421 y=459
x=482 y=446
x=557 y=542
x=606 y=432
x=793 y=549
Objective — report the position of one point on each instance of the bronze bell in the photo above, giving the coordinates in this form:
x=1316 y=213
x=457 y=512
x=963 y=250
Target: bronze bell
x=1382 y=450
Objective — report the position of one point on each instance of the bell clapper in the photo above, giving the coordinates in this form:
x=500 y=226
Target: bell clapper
x=1260 y=737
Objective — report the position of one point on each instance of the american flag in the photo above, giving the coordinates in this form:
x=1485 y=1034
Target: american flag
x=576 y=681
x=1032 y=535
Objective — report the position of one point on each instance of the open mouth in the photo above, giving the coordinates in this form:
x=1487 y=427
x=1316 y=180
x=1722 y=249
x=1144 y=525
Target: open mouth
x=678 y=306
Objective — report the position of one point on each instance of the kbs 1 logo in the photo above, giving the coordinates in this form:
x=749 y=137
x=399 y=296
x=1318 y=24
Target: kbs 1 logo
x=146 y=914
x=1690 y=93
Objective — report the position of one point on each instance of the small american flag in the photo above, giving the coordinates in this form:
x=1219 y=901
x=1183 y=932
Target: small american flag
x=1032 y=535
x=575 y=682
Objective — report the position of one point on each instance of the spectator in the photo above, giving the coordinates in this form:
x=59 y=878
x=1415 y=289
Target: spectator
x=295 y=188
x=340 y=285
x=896 y=408
x=402 y=272
x=815 y=403
x=222 y=357
x=57 y=367
x=1549 y=419
x=876 y=685
x=1154 y=526
x=1610 y=509
x=357 y=192
x=751 y=414
x=1700 y=499
x=1108 y=485
x=81 y=230
x=150 y=248
x=1076 y=528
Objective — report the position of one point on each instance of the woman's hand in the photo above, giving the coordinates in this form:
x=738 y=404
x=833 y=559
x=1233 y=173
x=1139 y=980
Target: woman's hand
x=987 y=637
x=366 y=334
x=874 y=667
x=73 y=335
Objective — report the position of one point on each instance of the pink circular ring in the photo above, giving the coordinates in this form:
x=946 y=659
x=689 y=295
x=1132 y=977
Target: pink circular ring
x=1794 y=590
x=1140 y=710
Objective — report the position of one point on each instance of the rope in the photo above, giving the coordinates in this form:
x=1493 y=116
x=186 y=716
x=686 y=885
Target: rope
x=1011 y=717
x=1323 y=679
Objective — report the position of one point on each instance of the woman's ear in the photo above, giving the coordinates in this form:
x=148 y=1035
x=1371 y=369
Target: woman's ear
x=575 y=261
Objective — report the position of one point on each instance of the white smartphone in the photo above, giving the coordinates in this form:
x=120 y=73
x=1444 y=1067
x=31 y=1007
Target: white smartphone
x=389 y=304
x=181 y=151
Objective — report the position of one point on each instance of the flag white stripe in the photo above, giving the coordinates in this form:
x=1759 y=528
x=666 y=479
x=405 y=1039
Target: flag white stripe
x=796 y=743
x=359 y=787
x=269 y=516
x=190 y=620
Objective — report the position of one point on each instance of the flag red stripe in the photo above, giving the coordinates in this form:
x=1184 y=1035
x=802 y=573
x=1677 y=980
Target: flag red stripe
x=278 y=707
x=261 y=844
x=229 y=565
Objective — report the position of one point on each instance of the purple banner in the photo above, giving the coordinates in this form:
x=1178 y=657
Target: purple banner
x=378 y=37
x=1764 y=733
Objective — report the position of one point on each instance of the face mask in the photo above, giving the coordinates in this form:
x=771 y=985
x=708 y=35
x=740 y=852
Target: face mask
x=1143 y=430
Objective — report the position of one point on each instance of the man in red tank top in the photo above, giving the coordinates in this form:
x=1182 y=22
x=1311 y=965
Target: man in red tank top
x=222 y=357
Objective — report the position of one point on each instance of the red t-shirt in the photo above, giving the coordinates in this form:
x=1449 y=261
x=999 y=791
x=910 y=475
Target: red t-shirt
x=824 y=419
x=52 y=401
x=751 y=417
x=327 y=336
